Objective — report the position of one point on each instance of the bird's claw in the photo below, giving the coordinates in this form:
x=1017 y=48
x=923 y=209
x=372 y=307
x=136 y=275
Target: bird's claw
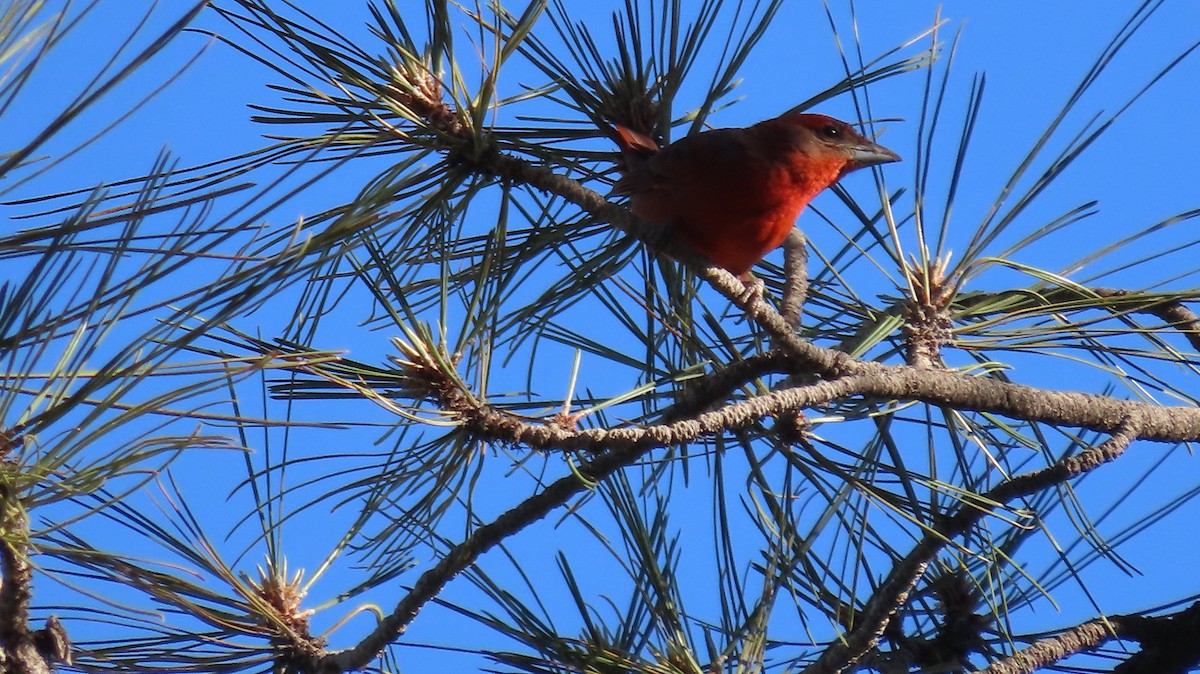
x=752 y=291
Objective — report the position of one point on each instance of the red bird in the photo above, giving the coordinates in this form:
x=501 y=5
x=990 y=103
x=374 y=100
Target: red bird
x=734 y=194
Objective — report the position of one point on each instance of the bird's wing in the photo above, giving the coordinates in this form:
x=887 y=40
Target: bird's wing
x=684 y=162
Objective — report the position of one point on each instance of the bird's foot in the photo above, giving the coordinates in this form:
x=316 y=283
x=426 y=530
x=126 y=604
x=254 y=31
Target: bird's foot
x=753 y=290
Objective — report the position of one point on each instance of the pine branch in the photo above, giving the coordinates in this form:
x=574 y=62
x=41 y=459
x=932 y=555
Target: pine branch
x=19 y=650
x=1045 y=652
x=1169 y=644
x=895 y=589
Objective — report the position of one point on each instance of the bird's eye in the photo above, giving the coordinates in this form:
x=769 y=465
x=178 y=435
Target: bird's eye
x=831 y=132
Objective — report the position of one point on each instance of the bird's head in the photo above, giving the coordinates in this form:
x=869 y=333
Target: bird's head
x=822 y=136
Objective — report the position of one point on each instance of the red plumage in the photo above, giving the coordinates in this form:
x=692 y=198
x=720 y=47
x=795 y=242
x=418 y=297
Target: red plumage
x=734 y=194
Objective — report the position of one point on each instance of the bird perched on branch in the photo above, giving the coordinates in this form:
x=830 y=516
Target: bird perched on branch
x=734 y=194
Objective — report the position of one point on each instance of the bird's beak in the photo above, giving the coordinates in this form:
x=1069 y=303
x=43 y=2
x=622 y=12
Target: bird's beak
x=868 y=154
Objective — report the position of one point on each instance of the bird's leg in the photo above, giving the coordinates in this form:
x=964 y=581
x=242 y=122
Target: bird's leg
x=795 y=276
x=753 y=290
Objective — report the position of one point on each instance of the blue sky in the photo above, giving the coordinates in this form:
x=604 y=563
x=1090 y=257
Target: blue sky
x=1033 y=54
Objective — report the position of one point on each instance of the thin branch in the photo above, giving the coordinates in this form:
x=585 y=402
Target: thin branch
x=895 y=382
x=18 y=650
x=795 y=275
x=893 y=592
x=15 y=574
x=1172 y=312
x=1169 y=644
x=1045 y=652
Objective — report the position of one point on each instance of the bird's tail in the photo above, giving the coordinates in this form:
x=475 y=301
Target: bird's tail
x=634 y=142
x=636 y=149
